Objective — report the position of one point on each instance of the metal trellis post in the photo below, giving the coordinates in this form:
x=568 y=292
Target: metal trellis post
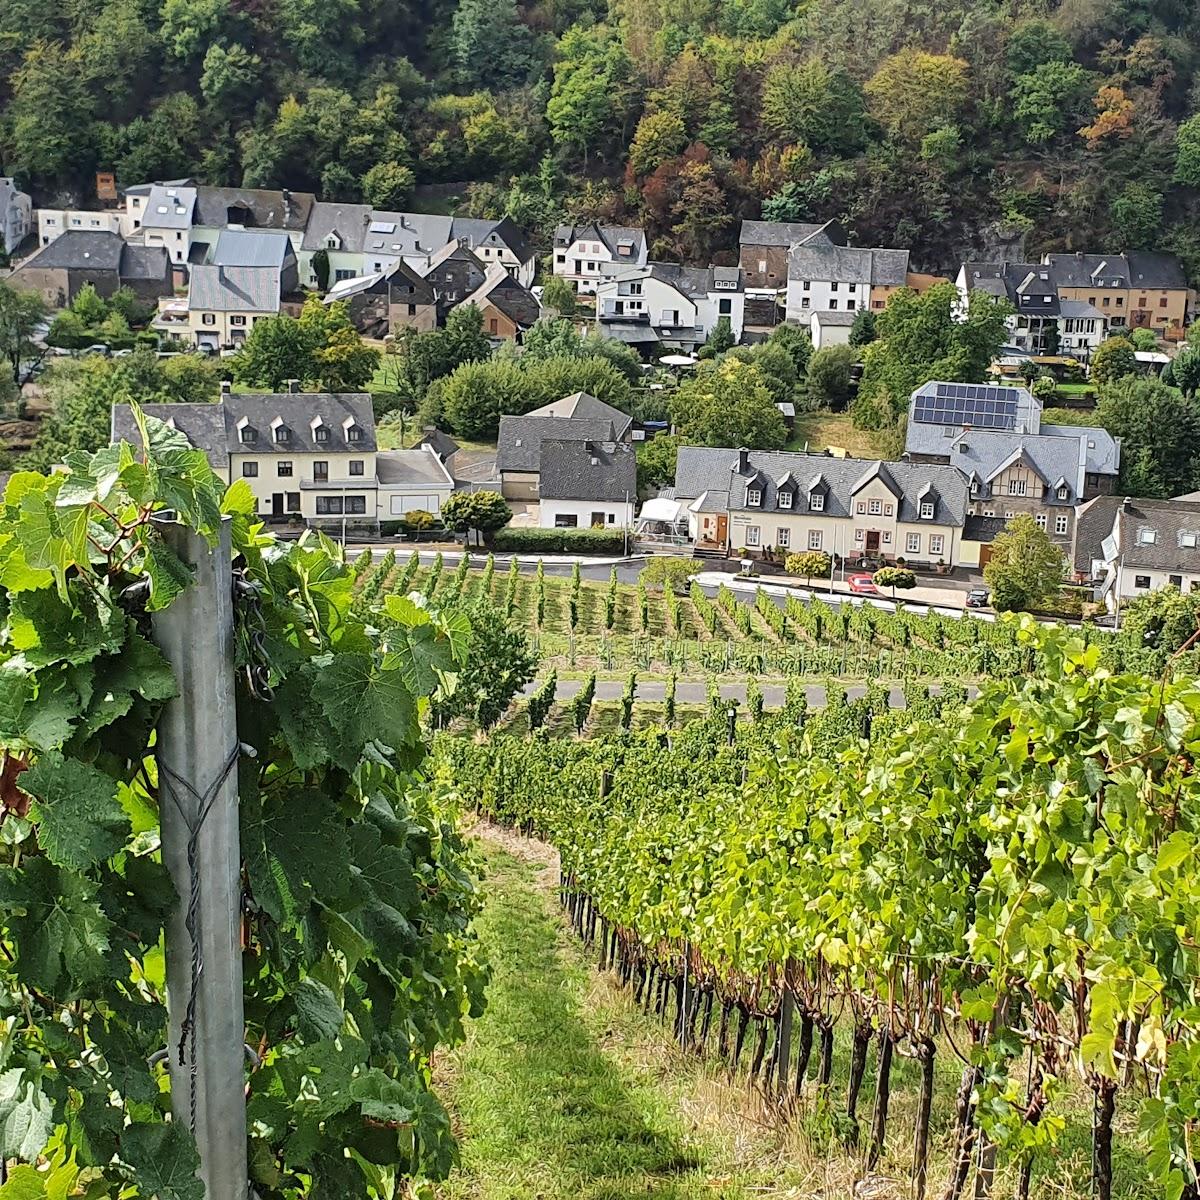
x=198 y=798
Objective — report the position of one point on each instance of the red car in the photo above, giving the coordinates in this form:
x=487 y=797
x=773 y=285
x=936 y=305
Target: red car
x=862 y=585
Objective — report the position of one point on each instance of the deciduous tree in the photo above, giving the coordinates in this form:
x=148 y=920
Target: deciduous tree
x=728 y=405
x=484 y=511
x=1113 y=359
x=1026 y=568
x=1160 y=435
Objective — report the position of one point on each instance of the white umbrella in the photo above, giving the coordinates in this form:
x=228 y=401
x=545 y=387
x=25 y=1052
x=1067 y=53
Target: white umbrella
x=678 y=360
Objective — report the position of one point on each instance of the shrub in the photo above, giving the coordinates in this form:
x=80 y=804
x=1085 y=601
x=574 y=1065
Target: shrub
x=559 y=541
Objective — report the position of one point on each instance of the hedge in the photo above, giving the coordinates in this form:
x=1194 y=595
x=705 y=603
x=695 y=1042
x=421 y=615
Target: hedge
x=559 y=541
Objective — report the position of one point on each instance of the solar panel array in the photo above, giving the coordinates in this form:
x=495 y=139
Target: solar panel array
x=976 y=404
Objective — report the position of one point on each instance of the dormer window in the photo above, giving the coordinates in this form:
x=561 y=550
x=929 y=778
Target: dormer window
x=331 y=243
x=974 y=487
x=1062 y=493
x=1188 y=541
x=785 y=499
x=282 y=433
x=1147 y=537
x=926 y=510
x=816 y=502
x=321 y=433
x=354 y=433
x=249 y=433
x=754 y=497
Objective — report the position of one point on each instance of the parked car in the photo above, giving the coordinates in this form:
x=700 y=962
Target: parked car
x=862 y=585
x=978 y=598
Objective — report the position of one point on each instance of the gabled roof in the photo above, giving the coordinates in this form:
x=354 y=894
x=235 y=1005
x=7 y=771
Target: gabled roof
x=144 y=262
x=1020 y=454
x=581 y=404
x=500 y=289
x=442 y=444
x=234 y=289
x=256 y=208
x=1100 y=271
x=252 y=248
x=1153 y=270
x=202 y=424
x=697 y=283
x=347 y=221
x=848 y=264
x=397 y=277
x=789 y=233
x=1093 y=523
x=169 y=206
x=701 y=469
x=1168 y=523
x=405 y=233
x=475 y=231
x=825 y=317
x=587 y=470
x=79 y=250
x=519 y=443
x=615 y=238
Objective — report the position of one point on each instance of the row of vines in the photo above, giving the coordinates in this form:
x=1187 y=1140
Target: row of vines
x=1011 y=886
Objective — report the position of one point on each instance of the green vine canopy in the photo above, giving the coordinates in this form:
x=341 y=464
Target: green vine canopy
x=357 y=955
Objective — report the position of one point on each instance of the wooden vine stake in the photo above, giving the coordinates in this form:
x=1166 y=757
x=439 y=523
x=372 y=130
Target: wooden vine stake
x=197 y=756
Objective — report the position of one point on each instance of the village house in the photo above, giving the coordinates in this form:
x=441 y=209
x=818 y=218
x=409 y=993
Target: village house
x=763 y=248
x=1138 y=290
x=307 y=456
x=508 y=307
x=16 y=215
x=745 y=501
x=1011 y=461
x=361 y=240
x=586 y=484
x=830 y=328
x=58 y=271
x=454 y=273
x=386 y=301
x=828 y=278
x=223 y=305
x=583 y=252
x=497 y=241
x=52 y=223
x=670 y=305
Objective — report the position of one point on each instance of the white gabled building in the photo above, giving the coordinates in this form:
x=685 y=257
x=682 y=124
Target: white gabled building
x=675 y=306
x=585 y=253
x=16 y=215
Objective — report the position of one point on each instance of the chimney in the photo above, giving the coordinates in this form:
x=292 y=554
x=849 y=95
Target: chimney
x=1127 y=504
x=293 y=386
x=226 y=387
x=743 y=461
x=403 y=221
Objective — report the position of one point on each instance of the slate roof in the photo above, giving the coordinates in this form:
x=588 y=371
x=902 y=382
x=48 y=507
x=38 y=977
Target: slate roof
x=1090 y=270
x=451 y=250
x=349 y=221
x=611 y=236
x=1153 y=270
x=252 y=248
x=1102 y=449
x=983 y=529
x=833 y=318
x=234 y=289
x=80 y=250
x=169 y=206
x=1093 y=523
x=398 y=275
x=202 y=424
x=411 y=468
x=588 y=407
x=696 y=283
x=1168 y=521
x=519 y=444
x=405 y=233
x=265 y=209
x=1079 y=310
x=591 y=470
x=143 y=262
x=508 y=295
x=848 y=264
x=701 y=469
x=476 y=231
x=442 y=444
x=783 y=233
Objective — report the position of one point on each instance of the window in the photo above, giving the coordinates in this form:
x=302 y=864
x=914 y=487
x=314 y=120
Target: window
x=1120 y=301
x=249 y=433
x=783 y=536
x=887 y=510
x=1008 y=516
x=858 y=535
x=1176 y=581
x=329 y=506
x=1106 y=302
x=1147 y=537
x=974 y=487
x=412 y=310
x=1017 y=487
x=1163 y=302
x=208 y=318
x=816 y=502
x=560 y=259
x=833 y=287
x=320 y=471
x=1141 y=581
x=814 y=539
x=832 y=305
x=284 y=469
x=852 y=287
x=860 y=507
x=1188 y=540
x=785 y=499
x=493 y=326
x=293 y=502
x=753 y=535
x=249 y=470
x=926 y=510
x=1061 y=522
x=753 y=497
x=806 y=286
x=886 y=537
x=849 y=304
x=321 y=433
x=762 y=266
x=725 y=306
x=937 y=543
x=283 y=433
x=912 y=543
x=1093 y=480
x=1041 y=520
x=356 y=466
x=565 y=521
x=875 y=507
x=804 y=302
x=356 y=506
x=354 y=433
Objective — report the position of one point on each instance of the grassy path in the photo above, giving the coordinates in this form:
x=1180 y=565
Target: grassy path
x=565 y=1092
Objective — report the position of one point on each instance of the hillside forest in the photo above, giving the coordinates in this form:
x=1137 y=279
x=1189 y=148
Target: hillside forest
x=940 y=126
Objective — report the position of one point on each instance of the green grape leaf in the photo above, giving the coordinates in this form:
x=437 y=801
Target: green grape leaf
x=304 y=728
x=140 y=670
x=56 y=926
x=363 y=704
x=169 y=575
x=164 y=1161
x=382 y=1098
x=79 y=818
x=321 y=1016
x=26 y=1116
x=47 y=629
x=16 y=574
x=24 y=1183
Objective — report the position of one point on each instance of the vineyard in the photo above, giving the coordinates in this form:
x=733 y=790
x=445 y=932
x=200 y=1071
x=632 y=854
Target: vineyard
x=579 y=624
x=998 y=901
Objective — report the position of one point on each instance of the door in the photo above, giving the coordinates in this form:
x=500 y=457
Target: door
x=277 y=504
x=722 y=529
x=619 y=308
x=872 y=541
x=985 y=556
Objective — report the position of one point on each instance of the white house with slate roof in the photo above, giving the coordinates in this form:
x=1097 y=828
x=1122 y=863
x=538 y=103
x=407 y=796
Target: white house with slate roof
x=586 y=484
x=680 y=305
x=584 y=254
x=1150 y=544
x=747 y=500
x=224 y=304
x=360 y=240
x=497 y=241
x=828 y=278
x=304 y=455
